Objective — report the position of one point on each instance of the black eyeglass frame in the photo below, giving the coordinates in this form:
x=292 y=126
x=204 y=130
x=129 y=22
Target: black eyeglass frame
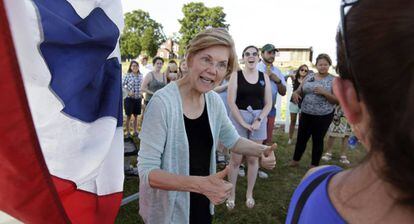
x=344 y=5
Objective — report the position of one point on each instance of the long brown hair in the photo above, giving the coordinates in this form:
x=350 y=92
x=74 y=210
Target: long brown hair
x=296 y=83
x=380 y=44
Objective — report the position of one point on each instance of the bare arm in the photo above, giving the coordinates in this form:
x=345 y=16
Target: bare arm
x=296 y=95
x=213 y=187
x=144 y=86
x=281 y=89
x=250 y=148
x=221 y=88
x=268 y=104
x=331 y=98
x=125 y=83
x=171 y=182
x=231 y=100
x=268 y=99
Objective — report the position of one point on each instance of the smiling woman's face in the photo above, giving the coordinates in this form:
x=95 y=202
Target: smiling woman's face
x=207 y=68
x=251 y=57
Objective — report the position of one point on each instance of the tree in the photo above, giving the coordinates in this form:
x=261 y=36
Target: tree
x=149 y=43
x=141 y=33
x=198 y=17
x=130 y=45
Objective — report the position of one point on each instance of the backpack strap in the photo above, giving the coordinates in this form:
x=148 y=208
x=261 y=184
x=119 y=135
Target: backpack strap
x=305 y=195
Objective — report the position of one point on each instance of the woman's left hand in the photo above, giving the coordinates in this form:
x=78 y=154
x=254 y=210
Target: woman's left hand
x=268 y=159
x=256 y=125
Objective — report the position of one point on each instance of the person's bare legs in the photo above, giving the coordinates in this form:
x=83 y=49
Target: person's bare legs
x=292 y=126
x=329 y=144
x=253 y=167
x=235 y=161
x=343 y=158
x=135 y=123
x=128 y=120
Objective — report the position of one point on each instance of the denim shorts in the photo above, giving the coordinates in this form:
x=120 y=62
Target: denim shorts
x=294 y=108
x=249 y=116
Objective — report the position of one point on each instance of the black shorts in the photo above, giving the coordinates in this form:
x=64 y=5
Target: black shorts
x=132 y=106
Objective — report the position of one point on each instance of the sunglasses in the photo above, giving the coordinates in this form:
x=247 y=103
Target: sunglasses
x=347 y=5
x=247 y=54
x=303 y=70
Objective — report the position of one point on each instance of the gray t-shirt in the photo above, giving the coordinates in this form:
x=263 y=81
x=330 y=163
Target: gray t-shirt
x=315 y=104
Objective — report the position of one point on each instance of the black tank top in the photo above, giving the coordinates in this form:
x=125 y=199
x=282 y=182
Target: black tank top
x=250 y=94
x=200 y=142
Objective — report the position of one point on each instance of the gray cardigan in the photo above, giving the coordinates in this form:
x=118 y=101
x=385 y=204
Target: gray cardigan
x=164 y=145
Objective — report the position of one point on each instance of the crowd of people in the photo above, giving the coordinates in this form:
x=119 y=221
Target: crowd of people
x=249 y=95
x=208 y=103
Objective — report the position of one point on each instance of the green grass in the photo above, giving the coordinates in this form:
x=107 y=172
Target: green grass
x=272 y=195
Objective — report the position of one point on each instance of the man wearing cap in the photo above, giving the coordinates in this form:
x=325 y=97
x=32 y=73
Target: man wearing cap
x=278 y=84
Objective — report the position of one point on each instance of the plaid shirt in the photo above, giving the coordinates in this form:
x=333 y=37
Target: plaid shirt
x=132 y=83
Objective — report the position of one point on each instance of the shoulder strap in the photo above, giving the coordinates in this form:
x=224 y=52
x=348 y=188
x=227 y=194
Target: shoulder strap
x=261 y=76
x=239 y=72
x=240 y=77
x=305 y=195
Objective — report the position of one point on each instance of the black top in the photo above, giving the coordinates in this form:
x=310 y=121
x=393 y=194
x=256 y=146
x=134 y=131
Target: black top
x=296 y=84
x=250 y=94
x=200 y=142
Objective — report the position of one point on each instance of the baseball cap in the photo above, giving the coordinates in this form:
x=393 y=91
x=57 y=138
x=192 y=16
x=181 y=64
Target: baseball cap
x=269 y=47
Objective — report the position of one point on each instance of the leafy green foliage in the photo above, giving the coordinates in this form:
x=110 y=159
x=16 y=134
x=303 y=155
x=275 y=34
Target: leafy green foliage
x=141 y=33
x=198 y=17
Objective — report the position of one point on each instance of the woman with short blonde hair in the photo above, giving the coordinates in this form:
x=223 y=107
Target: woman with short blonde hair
x=180 y=132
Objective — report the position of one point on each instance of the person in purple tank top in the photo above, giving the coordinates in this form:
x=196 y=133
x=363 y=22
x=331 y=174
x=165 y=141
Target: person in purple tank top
x=376 y=93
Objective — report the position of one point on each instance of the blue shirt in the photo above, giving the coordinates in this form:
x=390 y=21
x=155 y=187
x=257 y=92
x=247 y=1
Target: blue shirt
x=318 y=208
x=261 y=66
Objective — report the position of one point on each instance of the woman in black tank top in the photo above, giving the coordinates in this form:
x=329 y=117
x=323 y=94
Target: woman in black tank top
x=250 y=100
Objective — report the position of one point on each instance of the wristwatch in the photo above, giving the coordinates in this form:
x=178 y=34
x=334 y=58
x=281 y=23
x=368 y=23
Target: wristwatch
x=280 y=82
x=259 y=119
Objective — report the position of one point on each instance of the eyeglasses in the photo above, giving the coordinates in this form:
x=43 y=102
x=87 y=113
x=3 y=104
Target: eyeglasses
x=247 y=54
x=208 y=62
x=347 y=4
x=304 y=70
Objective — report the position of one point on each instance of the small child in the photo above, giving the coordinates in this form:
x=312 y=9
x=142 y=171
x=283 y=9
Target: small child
x=339 y=128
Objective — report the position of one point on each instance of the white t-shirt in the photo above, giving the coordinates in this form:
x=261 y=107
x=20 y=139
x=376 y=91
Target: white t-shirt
x=145 y=69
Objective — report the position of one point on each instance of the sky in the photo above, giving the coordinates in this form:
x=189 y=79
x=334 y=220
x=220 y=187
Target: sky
x=284 y=23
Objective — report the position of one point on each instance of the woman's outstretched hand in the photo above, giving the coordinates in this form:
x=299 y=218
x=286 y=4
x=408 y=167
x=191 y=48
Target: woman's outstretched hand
x=215 y=188
x=268 y=158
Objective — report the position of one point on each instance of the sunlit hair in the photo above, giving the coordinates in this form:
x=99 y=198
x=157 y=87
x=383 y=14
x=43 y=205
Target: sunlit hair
x=209 y=38
x=323 y=56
